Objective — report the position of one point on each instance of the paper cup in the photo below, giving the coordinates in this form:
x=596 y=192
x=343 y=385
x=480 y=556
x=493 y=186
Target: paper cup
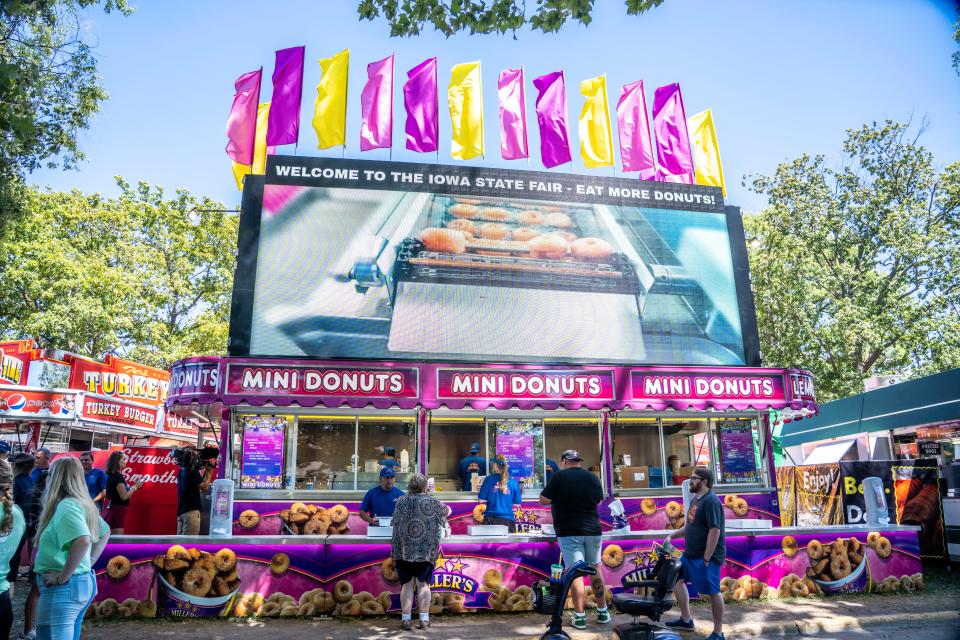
x=174 y=602
x=857 y=582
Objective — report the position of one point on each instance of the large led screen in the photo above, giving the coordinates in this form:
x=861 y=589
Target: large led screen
x=395 y=261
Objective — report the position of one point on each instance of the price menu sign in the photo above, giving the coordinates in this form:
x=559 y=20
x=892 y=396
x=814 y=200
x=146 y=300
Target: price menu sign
x=262 y=460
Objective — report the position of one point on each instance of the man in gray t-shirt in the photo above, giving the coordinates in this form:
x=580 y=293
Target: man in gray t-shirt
x=705 y=549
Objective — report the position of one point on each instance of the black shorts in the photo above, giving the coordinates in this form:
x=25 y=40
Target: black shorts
x=422 y=571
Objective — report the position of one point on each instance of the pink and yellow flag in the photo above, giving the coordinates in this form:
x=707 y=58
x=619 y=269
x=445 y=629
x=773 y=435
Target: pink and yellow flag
x=242 y=122
x=552 y=119
x=636 y=147
x=330 y=109
x=420 y=100
x=673 y=142
x=284 y=126
x=706 y=150
x=260 y=150
x=596 y=138
x=465 y=99
x=513 y=115
x=376 y=106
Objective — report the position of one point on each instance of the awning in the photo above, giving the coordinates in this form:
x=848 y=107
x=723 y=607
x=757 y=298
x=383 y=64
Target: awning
x=926 y=400
x=829 y=453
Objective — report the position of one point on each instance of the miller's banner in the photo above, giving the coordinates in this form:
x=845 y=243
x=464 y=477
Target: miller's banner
x=913 y=497
x=391 y=261
x=818 y=495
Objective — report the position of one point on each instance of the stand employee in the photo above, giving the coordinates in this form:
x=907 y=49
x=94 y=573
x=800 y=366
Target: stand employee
x=379 y=502
x=472 y=464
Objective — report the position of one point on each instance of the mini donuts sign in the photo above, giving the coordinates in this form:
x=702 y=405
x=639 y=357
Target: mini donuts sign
x=686 y=385
x=305 y=380
x=525 y=384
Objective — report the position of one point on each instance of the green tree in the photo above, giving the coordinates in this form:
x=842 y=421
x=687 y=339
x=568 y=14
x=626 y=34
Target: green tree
x=856 y=269
x=143 y=276
x=409 y=17
x=49 y=90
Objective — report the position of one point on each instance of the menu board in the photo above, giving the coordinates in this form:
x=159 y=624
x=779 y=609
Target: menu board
x=521 y=443
x=738 y=461
x=261 y=465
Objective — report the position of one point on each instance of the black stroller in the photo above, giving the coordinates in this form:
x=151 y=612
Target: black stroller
x=661 y=580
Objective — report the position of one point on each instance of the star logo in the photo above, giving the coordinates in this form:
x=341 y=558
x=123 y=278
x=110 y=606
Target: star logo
x=440 y=564
x=458 y=565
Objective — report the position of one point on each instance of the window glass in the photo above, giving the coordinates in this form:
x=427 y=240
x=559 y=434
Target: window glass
x=386 y=441
x=581 y=435
x=520 y=441
x=687 y=446
x=636 y=454
x=449 y=446
x=325 y=453
x=738 y=450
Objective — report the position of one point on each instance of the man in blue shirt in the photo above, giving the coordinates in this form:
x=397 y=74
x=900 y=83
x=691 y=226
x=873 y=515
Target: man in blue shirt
x=96 y=478
x=379 y=502
x=472 y=464
x=389 y=458
x=42 y=459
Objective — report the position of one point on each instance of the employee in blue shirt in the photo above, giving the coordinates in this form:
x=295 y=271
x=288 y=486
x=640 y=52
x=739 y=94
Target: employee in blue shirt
x=389 y=458
x=552 y=468
x=96 y=479
x=472 y=464
x=379 y=502
x=501 y=493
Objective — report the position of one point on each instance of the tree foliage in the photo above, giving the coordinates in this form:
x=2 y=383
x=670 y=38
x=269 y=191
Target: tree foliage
x=409 y=17
x=139 y=275
x=856 y=269
x=49 y=89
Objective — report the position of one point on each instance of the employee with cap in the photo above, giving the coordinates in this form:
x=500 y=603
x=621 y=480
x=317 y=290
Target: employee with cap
x=4 y=449
x=379 y=502
x=472 y=464
x=389 y=458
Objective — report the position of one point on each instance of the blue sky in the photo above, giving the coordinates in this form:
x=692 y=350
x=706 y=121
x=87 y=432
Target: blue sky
x=782 y=78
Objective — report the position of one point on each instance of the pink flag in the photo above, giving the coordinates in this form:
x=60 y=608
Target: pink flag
x=636 y=148
x=673 y=142
x=242 y=122
x=283 y=124
x=376 y=106
x=552 y=119
x=513 y=115
x=420 y=100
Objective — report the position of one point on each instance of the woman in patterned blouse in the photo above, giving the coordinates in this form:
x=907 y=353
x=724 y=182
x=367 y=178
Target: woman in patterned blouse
x=417 y=521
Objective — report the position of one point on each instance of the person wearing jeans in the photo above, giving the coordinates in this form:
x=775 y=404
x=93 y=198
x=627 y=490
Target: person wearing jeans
x=12 y=527
x=71 y=536
x=573 y=494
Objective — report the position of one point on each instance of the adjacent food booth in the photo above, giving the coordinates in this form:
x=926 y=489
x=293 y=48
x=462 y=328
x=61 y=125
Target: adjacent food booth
x=406 y=311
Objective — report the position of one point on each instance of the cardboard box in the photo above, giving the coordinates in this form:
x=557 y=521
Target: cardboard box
x=636 y=477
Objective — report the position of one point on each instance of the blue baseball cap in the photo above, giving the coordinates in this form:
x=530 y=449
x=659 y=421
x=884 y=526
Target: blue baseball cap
x=4 y=446
x=387 y=472
x=475 y=447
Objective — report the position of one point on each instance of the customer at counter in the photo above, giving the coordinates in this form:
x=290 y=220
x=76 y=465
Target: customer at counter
x=501 y=493
x=705 y=550
x=471 y=464
x=379 y=502
x=573 y=495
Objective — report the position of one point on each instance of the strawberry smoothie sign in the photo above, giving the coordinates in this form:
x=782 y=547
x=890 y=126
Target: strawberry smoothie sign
x=523 y=384
x=153 y=509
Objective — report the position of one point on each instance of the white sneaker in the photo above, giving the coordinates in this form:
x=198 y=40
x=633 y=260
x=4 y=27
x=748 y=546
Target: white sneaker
x=29 y=635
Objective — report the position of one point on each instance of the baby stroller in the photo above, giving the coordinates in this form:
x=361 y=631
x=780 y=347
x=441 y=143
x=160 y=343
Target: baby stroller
x=661 y=580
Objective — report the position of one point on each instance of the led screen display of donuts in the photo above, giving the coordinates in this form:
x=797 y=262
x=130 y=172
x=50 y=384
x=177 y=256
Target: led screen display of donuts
x=412 y=267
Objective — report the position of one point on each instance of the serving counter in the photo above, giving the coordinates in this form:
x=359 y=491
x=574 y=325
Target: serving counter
x=352 y=575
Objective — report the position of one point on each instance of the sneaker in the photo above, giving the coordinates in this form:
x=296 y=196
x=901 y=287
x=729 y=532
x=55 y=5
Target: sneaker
x=604 y=617
x=580 y=621
x=680 y=623
x=424 y=624
x=715 y=636
x=405 y=625
x=29 y=635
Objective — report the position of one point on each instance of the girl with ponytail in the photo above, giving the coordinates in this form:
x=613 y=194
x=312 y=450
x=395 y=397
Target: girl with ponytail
x=12 y=527
x=501 y=493
x=70 y=538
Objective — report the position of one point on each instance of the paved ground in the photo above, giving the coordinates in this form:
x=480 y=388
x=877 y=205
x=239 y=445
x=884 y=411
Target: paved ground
x=931 y=615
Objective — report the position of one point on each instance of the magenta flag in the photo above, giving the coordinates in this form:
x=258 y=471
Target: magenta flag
x=376 y=106
x=552 y=119
x=420 y=101
x=636 y=147
x=242 y=122
x=513 y=115
x=673 y=142
x=283 y=124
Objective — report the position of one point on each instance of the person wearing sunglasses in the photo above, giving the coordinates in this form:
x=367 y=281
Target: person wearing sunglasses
x=705 y=549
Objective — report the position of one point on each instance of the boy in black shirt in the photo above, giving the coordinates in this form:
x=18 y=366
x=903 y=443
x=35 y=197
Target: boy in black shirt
x=573 y=495
x=705 y=549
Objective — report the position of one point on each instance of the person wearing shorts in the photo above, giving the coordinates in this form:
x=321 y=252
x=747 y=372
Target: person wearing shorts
x=573 y=494
x=705 y=549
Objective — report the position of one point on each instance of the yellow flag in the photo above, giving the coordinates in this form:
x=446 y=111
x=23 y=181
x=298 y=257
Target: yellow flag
x=330 y=111
x=259 y=148
x=466 y=111
x=706 y=151
x=596 y=139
